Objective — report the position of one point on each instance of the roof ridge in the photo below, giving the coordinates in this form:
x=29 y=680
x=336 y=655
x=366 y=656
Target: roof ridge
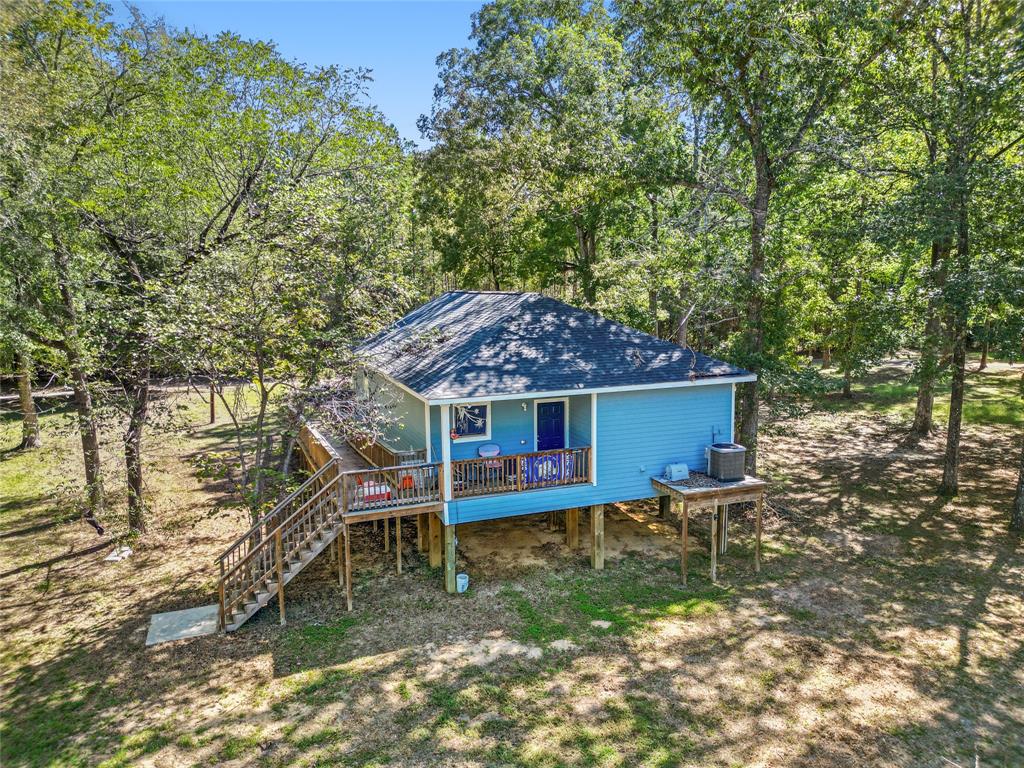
x=498 y=293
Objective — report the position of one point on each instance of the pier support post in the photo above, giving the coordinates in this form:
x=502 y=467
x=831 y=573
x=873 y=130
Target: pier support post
x=597 y=536
x=422 y=532
x=572 y=527
x=665 y=507
x=434 y=523
x=398 y=544
x=449 y=558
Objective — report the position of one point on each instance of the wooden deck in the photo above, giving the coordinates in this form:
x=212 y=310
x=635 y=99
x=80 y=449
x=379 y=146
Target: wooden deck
x=371 y=491
x=717 y=498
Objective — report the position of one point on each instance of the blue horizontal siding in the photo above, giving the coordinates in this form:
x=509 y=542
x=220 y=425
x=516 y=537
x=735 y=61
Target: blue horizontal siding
x=638 y=434
x=512 y=427
x=579 y=421
x=405 y=428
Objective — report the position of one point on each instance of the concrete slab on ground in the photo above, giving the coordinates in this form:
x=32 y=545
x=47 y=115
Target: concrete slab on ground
x=178 y=625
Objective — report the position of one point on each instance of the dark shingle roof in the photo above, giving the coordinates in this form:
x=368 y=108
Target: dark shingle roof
x=480 y=344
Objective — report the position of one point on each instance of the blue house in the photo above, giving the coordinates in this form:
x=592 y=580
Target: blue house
x=498 y=404
x=532 y=405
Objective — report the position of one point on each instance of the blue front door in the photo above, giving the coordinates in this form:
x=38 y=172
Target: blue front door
x=550 y=425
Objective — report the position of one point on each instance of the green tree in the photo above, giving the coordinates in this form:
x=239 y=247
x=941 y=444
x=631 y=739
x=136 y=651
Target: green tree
x=767 y=74
x=542 y=95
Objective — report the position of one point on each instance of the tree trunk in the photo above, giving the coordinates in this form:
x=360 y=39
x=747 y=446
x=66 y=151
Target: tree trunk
x=951 y=464
x=847 y=385
x=928 y=369
x=83 y=398
x=652 y=293
x=682 y=336
x=90 y=443
x=984 y=344
x=29 y=417
x=587 y=241
x=826 y=357
x=138 y=411
x=755 y=310
x=1017 y=512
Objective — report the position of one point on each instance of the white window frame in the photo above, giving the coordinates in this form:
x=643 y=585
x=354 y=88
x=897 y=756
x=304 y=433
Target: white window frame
x=474 y=438
x=565 y=430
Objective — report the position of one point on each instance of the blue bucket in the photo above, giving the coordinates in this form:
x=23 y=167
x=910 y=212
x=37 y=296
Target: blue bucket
x=461 y=582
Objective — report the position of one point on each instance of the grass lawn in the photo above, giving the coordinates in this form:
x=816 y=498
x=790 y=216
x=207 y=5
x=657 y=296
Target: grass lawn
x=886 y=627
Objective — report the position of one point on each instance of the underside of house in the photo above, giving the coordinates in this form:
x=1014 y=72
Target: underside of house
x=492 y=405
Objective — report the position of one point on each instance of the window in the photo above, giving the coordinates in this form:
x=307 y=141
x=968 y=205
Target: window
x=471 y=421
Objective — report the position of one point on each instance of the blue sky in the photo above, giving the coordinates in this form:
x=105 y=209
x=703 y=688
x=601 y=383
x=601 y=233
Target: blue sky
x=399 y=41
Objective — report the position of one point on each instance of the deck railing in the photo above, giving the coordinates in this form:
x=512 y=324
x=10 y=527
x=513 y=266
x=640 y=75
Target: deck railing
x=380 y=455
x=384 y=488
x=520 y=472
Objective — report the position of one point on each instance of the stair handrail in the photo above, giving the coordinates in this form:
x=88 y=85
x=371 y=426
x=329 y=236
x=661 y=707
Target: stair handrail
x=268 y=541
x=301 y=511
x=336 y=484
x=276 y=510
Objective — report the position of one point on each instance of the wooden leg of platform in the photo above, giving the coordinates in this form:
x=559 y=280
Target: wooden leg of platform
x=348 y=566
x=723 y=530
x=398 y=544
x=597 y=536
x=572 y=528
x=757 y=535
x=449 y=558
x=434 y=523
x=685 y=536
x=387 y=535
x=422 y=532
x=714 y=542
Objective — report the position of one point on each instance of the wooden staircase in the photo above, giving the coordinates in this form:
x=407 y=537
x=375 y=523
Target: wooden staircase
x=255 y=568
x=278 y=547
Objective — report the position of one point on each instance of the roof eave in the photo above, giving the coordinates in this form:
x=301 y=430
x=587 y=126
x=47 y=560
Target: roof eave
x=741 y=378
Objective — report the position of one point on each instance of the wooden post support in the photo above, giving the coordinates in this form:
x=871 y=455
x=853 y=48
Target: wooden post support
x=279 y=556
x=221 y=618
x=572 y=527
x=449 y=558
x=347 y=530
x=757 y=534
x=714 y=541
x=422 y=532
x=665 y=507
x=398 y=544
x=435 y=540
x=597 y=536
x=387 y=535
x=213 y=404
x=685 y=536
x=341 y=560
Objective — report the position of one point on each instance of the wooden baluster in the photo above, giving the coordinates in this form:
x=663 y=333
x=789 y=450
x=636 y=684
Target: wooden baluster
x=279 y=547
